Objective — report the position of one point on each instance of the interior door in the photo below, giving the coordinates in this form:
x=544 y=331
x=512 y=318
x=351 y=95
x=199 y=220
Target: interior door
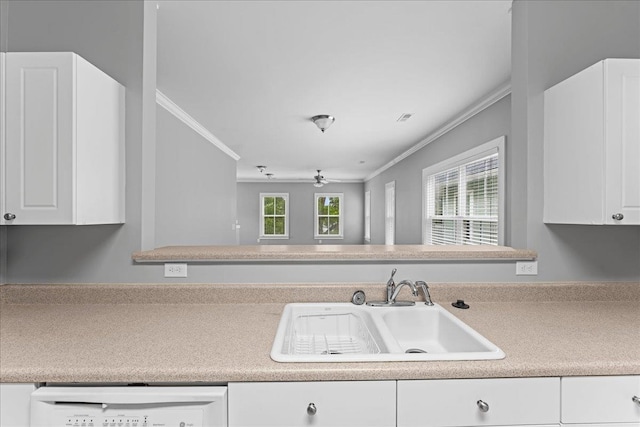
x=390 y=213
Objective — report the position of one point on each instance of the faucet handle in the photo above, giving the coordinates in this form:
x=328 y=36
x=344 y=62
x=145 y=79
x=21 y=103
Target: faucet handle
x=391 y=285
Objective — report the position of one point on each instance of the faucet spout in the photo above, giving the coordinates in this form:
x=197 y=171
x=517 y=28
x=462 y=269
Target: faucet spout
x=409 y=283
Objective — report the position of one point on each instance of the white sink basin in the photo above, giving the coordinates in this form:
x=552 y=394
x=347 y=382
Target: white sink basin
x=343 y=332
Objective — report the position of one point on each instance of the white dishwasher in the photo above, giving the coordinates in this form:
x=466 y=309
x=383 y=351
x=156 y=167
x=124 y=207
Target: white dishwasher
x=132 y=406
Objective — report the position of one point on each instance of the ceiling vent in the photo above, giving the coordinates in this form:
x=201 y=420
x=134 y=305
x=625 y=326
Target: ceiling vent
x=405 y=117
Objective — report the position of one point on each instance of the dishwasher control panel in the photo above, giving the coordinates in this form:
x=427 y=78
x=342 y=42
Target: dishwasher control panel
x=129 y=406
x=158 y=418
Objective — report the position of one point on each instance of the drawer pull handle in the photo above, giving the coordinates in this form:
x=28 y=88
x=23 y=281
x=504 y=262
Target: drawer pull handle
x=311 y=409
x=483 y=406
x=636 y=399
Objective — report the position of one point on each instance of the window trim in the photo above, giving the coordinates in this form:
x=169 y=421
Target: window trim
x=261 y=234
x=496 y=145
x=338 y=236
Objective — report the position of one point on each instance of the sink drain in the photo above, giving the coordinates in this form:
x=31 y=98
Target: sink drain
x=415 y=350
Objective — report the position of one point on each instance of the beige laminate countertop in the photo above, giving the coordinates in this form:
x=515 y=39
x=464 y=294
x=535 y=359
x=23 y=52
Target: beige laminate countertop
x=332 y=253
x=188 y=333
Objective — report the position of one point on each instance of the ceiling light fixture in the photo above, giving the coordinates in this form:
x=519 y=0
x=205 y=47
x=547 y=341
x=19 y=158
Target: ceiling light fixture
x=269 y=175
x=323 y=121
x=261 y=168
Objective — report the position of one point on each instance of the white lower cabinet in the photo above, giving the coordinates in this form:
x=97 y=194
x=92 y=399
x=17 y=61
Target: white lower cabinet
x=605 y=400
x=479 y=402
x=14 y=404
x=604 y=425
x=318 y=404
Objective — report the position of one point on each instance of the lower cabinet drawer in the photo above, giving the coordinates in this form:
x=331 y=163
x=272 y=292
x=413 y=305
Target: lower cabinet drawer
x=495 y=402
x=331 y=403
x=601 y=399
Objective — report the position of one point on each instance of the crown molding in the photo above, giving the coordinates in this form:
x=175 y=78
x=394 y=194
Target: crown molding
x=476 y=108
x=166 y=103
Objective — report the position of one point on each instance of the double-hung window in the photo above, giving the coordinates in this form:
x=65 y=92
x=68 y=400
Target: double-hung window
x=329 y=211
x=463 y=198
x=274 y=215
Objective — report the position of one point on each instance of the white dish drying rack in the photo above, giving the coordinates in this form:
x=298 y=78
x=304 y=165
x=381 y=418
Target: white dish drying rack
x=339 y=333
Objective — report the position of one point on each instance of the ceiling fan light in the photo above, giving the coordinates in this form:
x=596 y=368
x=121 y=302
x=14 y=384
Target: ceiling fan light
x=318 y=184
x=323 y=121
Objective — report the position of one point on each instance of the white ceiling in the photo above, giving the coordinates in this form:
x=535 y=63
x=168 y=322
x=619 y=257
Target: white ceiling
x=254 y=72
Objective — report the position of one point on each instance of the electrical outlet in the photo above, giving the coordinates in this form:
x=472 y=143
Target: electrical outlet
x=175 y=270
x=527 y=268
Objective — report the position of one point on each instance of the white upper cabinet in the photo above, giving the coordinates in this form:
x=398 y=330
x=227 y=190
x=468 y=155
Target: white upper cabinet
x=64 y=141
x=592 y=146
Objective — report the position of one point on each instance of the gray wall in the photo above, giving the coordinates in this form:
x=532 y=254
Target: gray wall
x=553 y=40
x=483 y=127
x=195 y=187
x=301 y=200
x=109 y=34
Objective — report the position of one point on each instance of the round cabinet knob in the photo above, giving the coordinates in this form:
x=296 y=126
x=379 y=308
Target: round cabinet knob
x=636 y=400
x=311 y=409
x=483 y=406
x=617 y=217
x=9 y=216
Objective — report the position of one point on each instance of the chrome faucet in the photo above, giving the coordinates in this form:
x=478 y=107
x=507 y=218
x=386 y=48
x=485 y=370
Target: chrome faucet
x=392 y=293
x=425 y=290
x=396 y=291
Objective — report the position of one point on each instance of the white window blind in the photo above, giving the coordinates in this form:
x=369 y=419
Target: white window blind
x=462 y=202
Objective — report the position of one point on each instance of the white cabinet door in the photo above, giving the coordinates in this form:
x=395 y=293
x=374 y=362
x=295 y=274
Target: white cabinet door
x=319 y=404
x=601 y=399
x=592 y=146
x=2 y=133
x=14 y=404
x=622 y=149
x=63 y=154
x=478 y=402
x=40 y=132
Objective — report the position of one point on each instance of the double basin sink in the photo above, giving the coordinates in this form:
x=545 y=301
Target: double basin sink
x=344 y=332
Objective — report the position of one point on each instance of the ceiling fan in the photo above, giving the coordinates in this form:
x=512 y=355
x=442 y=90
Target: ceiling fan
x=321 y=180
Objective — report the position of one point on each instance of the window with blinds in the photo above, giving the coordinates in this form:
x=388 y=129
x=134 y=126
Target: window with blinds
x=462 y=202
